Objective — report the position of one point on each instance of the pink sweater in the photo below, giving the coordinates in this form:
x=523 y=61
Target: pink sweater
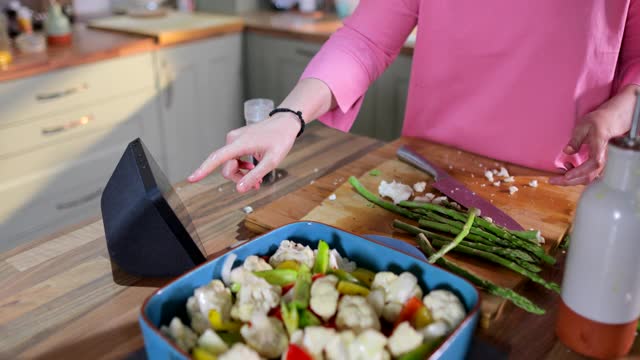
x=505 y=79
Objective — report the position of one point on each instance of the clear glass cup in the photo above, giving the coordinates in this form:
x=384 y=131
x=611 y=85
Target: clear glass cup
x=256 y=110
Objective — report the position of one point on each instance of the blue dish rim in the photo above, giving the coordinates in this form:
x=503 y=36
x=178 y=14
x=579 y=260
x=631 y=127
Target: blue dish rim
x=470 y=315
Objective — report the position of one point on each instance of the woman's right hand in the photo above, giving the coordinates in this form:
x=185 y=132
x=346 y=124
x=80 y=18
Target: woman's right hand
x=268 y=141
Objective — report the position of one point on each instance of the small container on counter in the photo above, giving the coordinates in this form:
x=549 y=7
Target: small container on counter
x=600 y=301
x=5 y=44
x=255 y=111
x=57 y=26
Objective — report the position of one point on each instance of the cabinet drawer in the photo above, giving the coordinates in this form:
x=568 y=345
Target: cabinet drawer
x=64 y=89
x=118 y=114
x=52 y=200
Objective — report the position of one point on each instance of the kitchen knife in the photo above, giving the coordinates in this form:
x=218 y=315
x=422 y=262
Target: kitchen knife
x=456 y=190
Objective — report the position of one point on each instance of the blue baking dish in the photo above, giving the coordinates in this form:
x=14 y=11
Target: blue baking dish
x=170 y=300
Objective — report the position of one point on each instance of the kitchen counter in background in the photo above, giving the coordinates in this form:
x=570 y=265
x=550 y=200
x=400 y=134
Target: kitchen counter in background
x=316 y=27
x=90 y=45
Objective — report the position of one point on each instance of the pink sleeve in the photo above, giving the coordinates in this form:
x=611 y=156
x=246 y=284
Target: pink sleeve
x=629 y=62
x=359 y=52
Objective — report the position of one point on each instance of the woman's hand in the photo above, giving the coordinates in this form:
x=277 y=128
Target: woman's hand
x=611 y=119
x=268 y=141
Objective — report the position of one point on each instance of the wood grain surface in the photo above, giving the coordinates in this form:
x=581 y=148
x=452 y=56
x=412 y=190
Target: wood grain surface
x=547 y=208
x=175 y=27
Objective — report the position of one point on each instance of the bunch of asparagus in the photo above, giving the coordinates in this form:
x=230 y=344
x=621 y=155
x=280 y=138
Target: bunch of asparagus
x=464 y=232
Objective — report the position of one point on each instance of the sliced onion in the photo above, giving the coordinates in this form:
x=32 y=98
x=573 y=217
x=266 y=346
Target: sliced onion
x=226 y=268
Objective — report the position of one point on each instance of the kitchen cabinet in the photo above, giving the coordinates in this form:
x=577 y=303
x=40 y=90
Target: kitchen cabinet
x=61 y=135
x=391 y=91
x=200 y=99
x=274 y=75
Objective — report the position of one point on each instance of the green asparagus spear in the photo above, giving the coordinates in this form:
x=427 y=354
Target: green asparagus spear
x=475 y=231
x=376 y=200
x=464 y=232
x=503 y=233
x=513 y=254
x=504 y=262
x=487 y=285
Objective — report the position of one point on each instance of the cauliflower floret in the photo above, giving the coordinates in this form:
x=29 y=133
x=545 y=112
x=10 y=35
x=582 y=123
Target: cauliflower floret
x=256 y=295
x=313 y=339
x=397 y=290
x=338 y=346
x=213 y=296
x=420 y=186
x=376 y=300
x=182 y=335
x=266 y=335
x=240 y=351
x=256 y=263
x=370 y=345
x=404 y=339
x=289 y=250
x=355 y=313
x=445 y=307
x=211 y=342
x=324 y=296
x=199 y=323
x=395 y=191
x=435 y=330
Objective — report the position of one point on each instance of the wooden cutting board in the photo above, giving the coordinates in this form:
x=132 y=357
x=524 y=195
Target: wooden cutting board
x=546 y=207
x=171 y=28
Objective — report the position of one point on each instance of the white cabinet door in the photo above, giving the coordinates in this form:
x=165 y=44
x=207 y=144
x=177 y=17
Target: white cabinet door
x=200 y=99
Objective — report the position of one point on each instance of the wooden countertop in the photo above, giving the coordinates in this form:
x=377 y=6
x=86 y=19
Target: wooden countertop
x=88 y=46
x=315 y=27
x=61 y=298
x=91 y=45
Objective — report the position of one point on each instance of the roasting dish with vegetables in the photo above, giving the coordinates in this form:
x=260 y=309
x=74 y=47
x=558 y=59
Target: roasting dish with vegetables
x=304 y=303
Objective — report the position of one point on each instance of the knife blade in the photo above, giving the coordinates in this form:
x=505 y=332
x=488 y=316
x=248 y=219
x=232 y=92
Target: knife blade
x=455 y=190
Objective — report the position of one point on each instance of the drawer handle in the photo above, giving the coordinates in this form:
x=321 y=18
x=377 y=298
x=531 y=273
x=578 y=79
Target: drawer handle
x=63 y=93
x=305 y=52
x=79 y=201
x=52 y=130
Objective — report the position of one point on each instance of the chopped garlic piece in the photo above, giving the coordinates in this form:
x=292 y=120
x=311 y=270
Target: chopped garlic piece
x=420 y=186
x=396 y=191
x=489 y=175
x=428 y=197
x=509 y=179
x=496 y=184
x=503 y=172
x=456 y=206
x=512 y=190
x=439 y=200
x=247 y=209
x=533 y=183
x=332 y=197
x=494 y=171
x=488 y=219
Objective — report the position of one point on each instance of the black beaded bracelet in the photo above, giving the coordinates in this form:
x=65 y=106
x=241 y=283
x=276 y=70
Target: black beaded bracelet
x=297 y=113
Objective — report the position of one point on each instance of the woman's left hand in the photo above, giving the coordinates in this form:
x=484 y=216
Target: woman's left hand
x=611 y=119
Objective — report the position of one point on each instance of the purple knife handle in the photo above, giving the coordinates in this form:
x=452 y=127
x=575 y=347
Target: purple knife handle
x=411 y=157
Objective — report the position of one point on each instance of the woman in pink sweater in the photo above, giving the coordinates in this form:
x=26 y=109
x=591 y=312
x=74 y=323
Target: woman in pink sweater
x=544 y=83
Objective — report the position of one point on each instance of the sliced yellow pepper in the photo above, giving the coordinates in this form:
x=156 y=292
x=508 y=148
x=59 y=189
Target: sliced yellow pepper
x=288 y=264
x=349 y=288
x=202 y=354
x=218 y=324
x=422 y=318
x=364 y=275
